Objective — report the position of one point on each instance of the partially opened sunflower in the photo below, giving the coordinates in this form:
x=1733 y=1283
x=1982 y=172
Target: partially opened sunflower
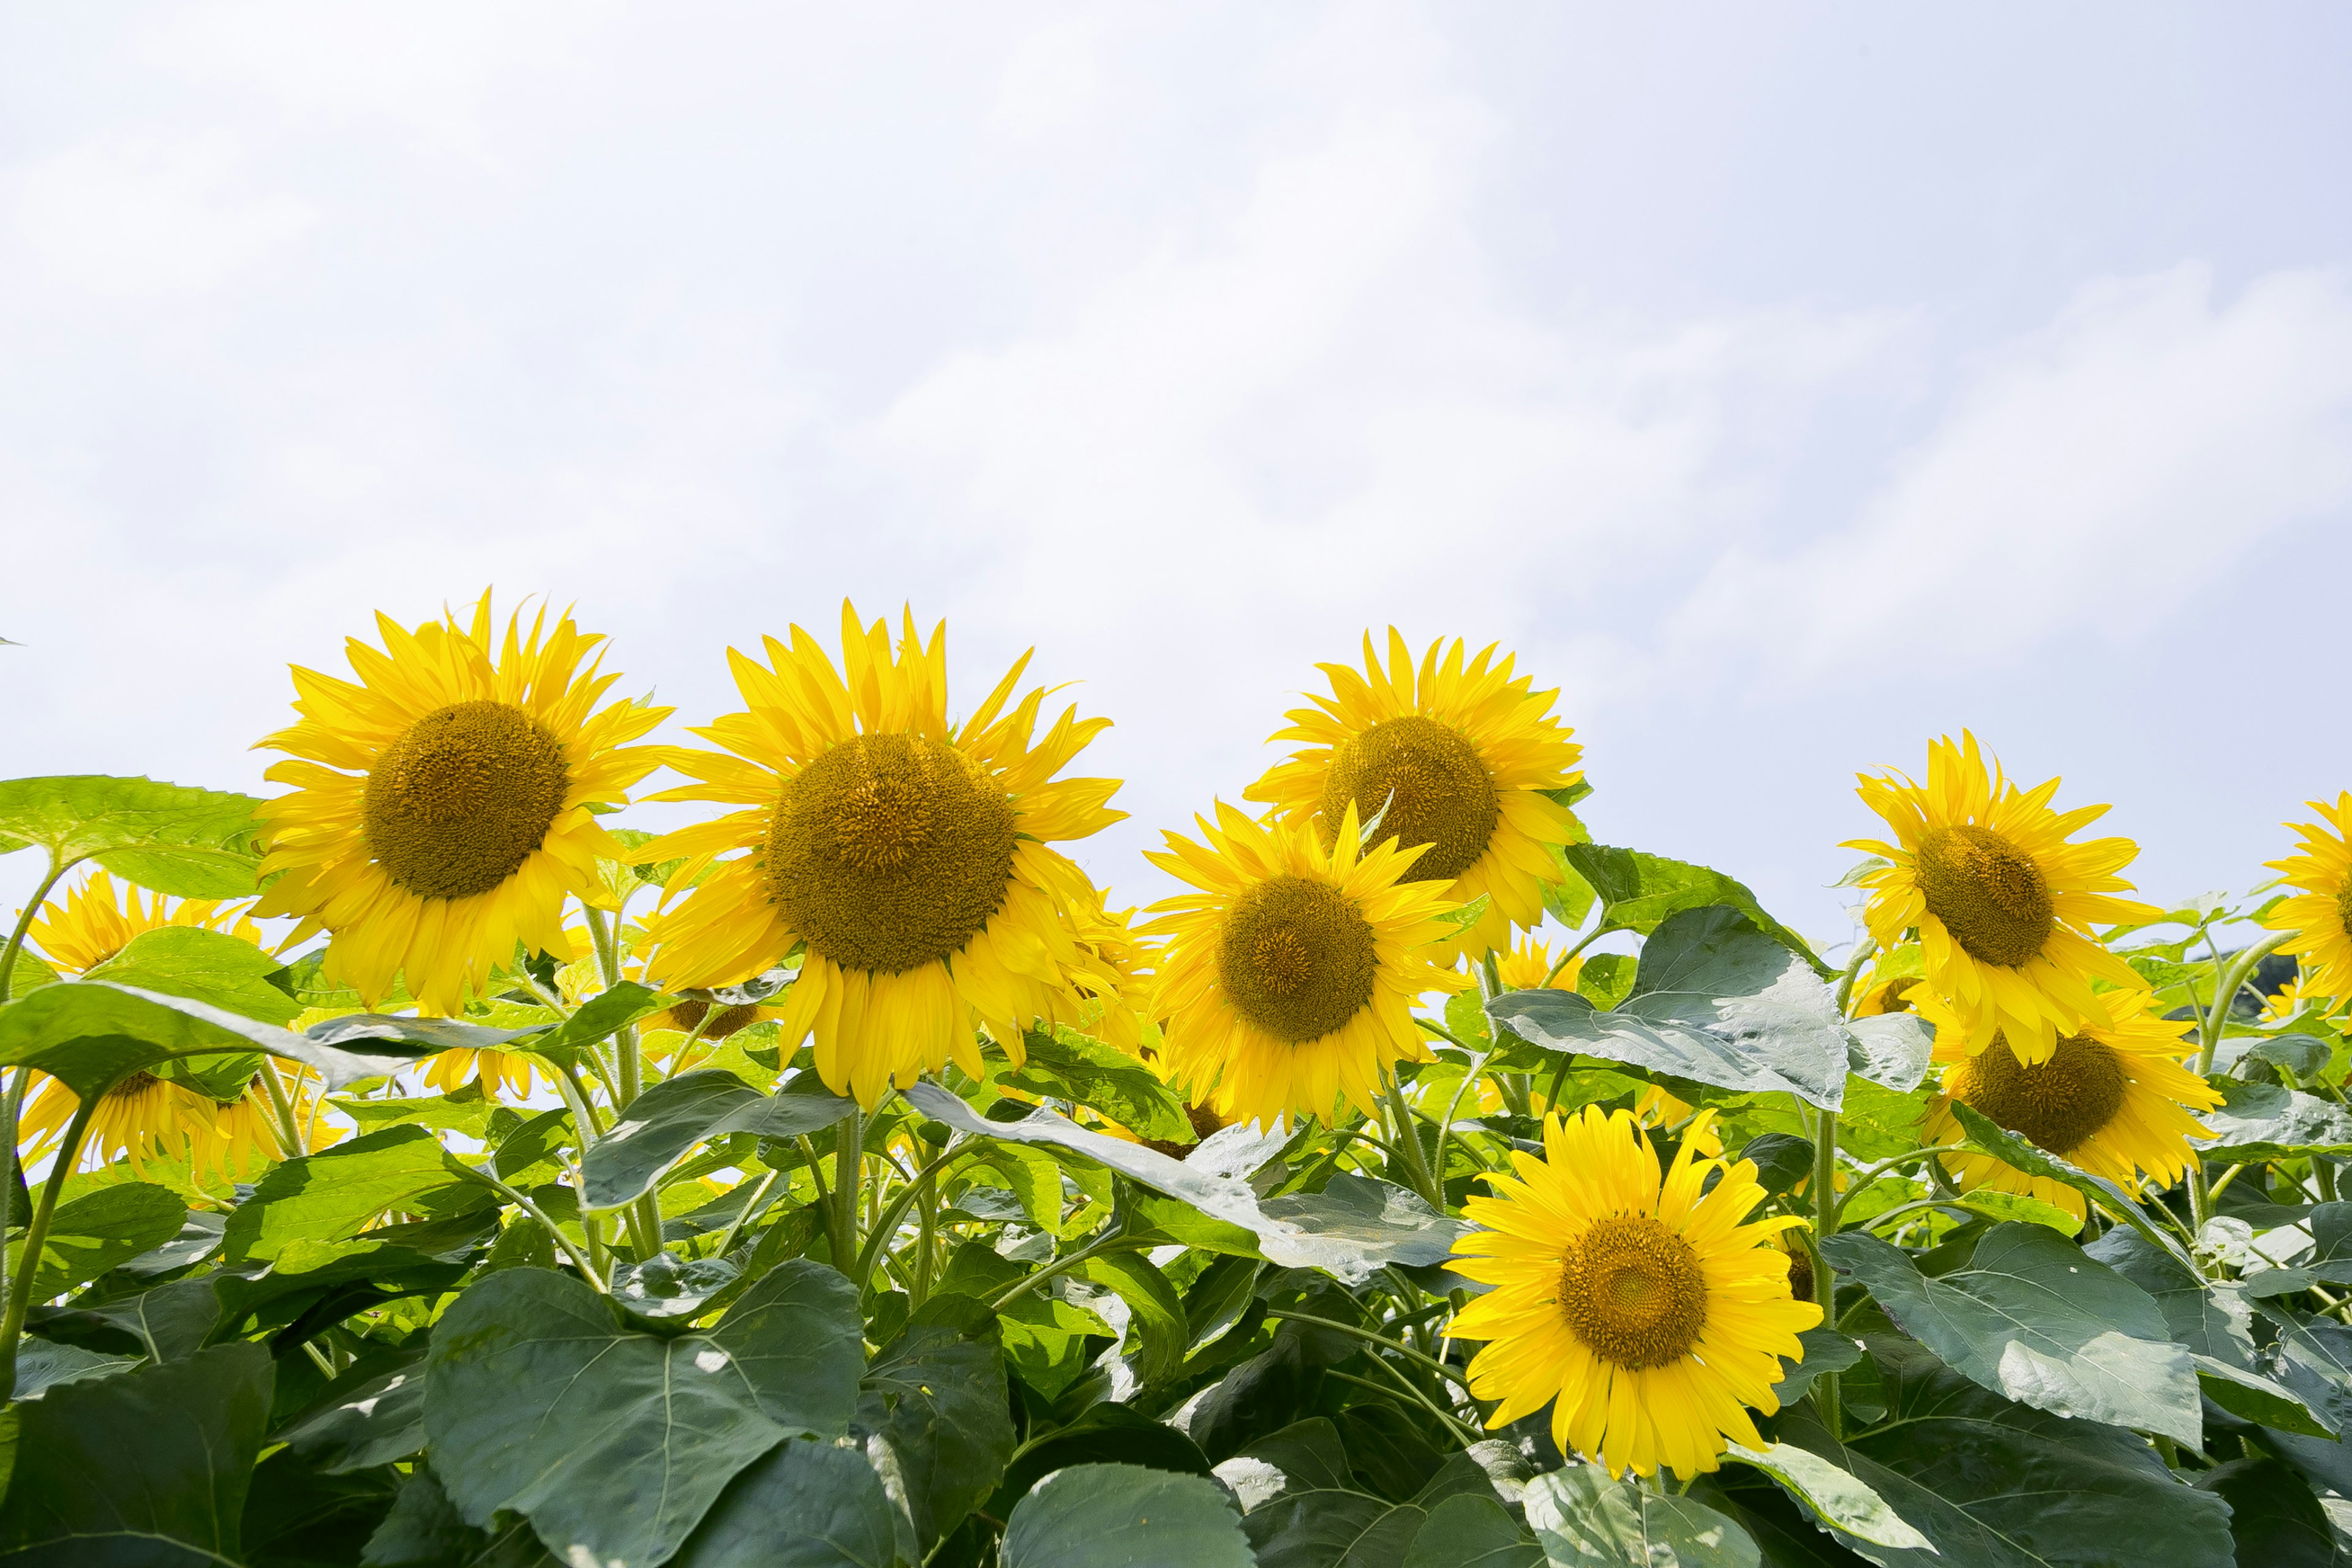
x=908 y=857
x=1648 y=1312
x=445 y=806
x=1456 y=756
x=2002 y=901
x=1288 y=981
x=2320 y=913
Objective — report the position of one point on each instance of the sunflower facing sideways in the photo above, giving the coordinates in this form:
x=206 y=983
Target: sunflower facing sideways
x=98 y=921
x=2002 y=901
x=1646 y=1312
x=445 y=805
x=2321 y=913
x=1457 y=757
x=1288 y=981
x=2112 y=1098
x=910 y=857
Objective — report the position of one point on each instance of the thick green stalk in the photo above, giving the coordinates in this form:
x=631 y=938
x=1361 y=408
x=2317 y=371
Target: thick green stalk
x=37 y=1235
x=1862 y=951
x=1825 y=1223
x=1406 y=1141
x=2209 y=1028
x=848 y=1175
x=12 y=1098
x=289 y=1133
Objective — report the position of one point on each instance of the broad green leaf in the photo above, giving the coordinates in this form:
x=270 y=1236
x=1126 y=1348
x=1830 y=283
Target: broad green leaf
x=1955 y=1463
x=1839 y=1501
x=169 y=1321
x=424 y=1529
x=373 y=1413
x=1388 y=1222
x=2303 y=1056
x=98 y=1231
x=1120 y=1516
x=1157 y=1333
x=92 y=1036
x=125 y=1469
x=1308 y=1453
x=1891 y=1049
x=937 y=1405
x=29 y=975
x=2274 y=1517
x=412 y=1038
x=1640 y=893
x=1103 y=1433
x=1465 y=1020
x=2020 y=1156
x=1312 y=1529
x=601 y=1018
x=297 y=1516
x=1584 y=1520
x=801 y=1505
x=42 y=1365
x=615 y=1444
x=1470 y=1532
x=334 y=1193
x=1071 y=1066
x=212 y=966
x=2251 y=1396
x=1826 y=1350
x=469 y=1110
x=666 y=1288
x=1033 y=1179
x=1715 y=1001
x=1045 y=1335
x=2035 y=1318
x=187 y=842
x=2018 y=1206
x=2267 y=1122
x=1353 y=1254
x=2313 y=1360
x=666 y=1120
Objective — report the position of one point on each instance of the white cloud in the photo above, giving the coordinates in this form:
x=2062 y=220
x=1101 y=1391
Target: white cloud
x=134 y=215
x=2091 y=476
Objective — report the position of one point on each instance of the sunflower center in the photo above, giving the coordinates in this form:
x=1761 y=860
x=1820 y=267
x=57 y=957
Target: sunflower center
x=457 y=804
x=1634 y=1291
x=1426 y=783
x=1988 y=893
x=2059 y=1103
x=1297 y=959
x=888 y=852
x=1894 y=996
x=2343 y=905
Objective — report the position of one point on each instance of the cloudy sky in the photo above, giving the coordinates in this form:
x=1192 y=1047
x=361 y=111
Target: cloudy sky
x=1787 y=384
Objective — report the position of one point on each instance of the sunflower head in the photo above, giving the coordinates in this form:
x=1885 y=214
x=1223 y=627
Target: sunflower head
x=1529 y=966
x=1459 y=758
x=443 y=806
x=96 y=920
x=1288 y=980
x=2001 y=899
x=2112 y=1097
x=2320 y=913
x=908 y=856
x=1646 y=1308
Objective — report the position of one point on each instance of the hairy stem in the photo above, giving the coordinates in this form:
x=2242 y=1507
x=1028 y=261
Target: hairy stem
x=37 y=1235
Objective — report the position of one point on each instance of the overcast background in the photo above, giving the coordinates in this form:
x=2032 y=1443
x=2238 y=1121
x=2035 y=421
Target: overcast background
x=1786 y=383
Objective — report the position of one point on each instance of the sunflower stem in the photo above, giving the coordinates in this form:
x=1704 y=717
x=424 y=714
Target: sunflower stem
x=2210 y=1029
x=580 y=1260
x=1825 y=1223
x=36 y=1235
x=1432 y=1363
x=1862 y=953
x=1406 y=1137
x=848 y=1174
x=289 y=1131
x=12 y=1099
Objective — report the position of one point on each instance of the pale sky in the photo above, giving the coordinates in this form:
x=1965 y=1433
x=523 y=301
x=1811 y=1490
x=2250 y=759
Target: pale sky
x=1786 y=383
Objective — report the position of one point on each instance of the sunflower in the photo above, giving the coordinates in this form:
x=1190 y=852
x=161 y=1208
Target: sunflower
x=2001 y=901
x=445 y=805
x=2321 y=915
x=1643 y=1311
x=908 y=856
x=1455 y=757
x=496 y=1071
x=2297 y=995
x=2112 y=1098
x=1288 y=981
x=98 y=921
x=1527 y=966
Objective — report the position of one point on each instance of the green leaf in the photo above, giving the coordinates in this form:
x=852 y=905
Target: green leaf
x=935 y=1399
x=1106 y=1434
x=2276 y=1521
x=801 y=1505
x=1120 y=1516
x=1346 y=1251
x=1313 y=1528
x=1469 y=1531
x=300 y=1517
x=2018 y=1207
x=190 y=843
x=1715 y=1001
x=1955 y=1463
x=669 y=1119
x=212 y=966
x=1826 y=1350
x=469 y=1110
x=2302 y=1054
x=92 y=1036
x=169 y=1321
x=332 y=1194
x=1157 y=1333
x=1070 y=1066
x=2036 y=1319
x=409 y=1038
x=424 y=1529
x=1843 y=1503
x=601 y=1018
x=614 y=1443
x=2020 y=1156
x=42 y=1365
x=1640 y=893
x=1389 y=1223
x=1584 y=1520
x=2313 y=1360
x=2259 y=1122
x=1891 y=1049
x=371 y=1413
x=114 y=1469
x=98 y=1231
x=1033 y=1179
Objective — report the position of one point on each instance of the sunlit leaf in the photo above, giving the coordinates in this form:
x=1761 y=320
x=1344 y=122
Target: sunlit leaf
x=1153 y=1516
x=174 y=839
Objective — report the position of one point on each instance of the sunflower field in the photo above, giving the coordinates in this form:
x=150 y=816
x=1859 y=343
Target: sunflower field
x=420 y=1167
